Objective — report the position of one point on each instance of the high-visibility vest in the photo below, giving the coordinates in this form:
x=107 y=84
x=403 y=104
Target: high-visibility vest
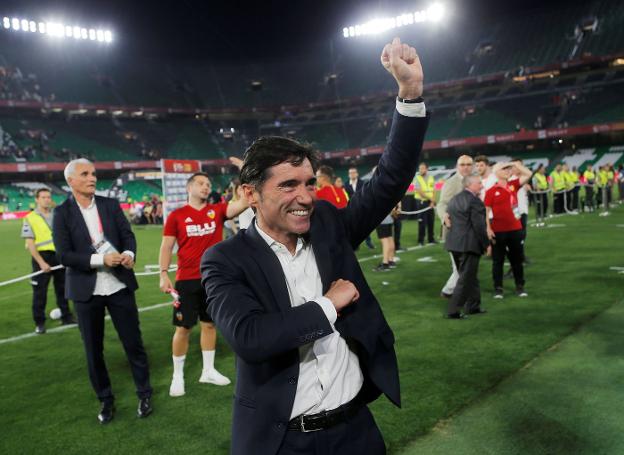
x=610 y=176
x=42 y=231
x=568 y=178
x=558 y=181
x=590 y=177
x=426 y=186
x=542 y=182
x=575 y=177
x=603 y=178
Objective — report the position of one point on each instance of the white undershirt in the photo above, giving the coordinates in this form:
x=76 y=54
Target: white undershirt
x=105 y=282
x=329 y=372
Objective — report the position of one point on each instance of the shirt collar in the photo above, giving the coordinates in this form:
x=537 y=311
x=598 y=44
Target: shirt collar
x=274 y=244
x=89 y=207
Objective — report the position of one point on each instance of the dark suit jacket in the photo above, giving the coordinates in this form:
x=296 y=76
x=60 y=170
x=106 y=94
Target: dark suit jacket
x=74 y=245
x=468 y=233
x=358 y=187
x=250 y=305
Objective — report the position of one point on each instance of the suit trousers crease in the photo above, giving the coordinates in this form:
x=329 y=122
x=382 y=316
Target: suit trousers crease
x=467 y=292
x=125 y=317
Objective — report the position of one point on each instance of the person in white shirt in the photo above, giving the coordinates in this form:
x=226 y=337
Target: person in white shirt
x=96 y=245
x=312 y=344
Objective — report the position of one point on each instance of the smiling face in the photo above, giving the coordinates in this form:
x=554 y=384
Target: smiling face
x=83 y=180
x=285 y=201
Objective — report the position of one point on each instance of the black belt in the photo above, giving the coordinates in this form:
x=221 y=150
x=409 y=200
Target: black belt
x=326 y=419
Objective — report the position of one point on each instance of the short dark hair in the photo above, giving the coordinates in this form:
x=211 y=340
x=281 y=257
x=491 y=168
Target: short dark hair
x=197 y=174
x=327 y=171
x=482 y=159
x=269 y=151
x=41 y=190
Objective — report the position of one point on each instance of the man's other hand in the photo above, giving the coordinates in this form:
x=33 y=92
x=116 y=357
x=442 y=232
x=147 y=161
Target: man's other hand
x=342 y=293
x=112 y=259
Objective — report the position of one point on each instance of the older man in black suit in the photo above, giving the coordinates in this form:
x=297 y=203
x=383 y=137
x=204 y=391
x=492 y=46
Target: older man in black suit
x=312 y=344
x=467 y=240
x=95 y=243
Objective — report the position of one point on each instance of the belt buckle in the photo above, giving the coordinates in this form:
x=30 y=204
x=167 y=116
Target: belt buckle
x=303 y=428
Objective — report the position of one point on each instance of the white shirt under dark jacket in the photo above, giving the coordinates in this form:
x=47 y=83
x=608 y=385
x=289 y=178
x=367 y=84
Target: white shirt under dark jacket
x=329 y=372
x=105 y=283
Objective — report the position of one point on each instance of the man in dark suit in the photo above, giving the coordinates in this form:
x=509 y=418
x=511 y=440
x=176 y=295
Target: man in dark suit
x=312 y=344
x=354 y=185
x=467 y=240
x=95 y=243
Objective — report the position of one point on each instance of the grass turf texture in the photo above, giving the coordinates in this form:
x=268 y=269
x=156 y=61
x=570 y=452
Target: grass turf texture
x=48 y=405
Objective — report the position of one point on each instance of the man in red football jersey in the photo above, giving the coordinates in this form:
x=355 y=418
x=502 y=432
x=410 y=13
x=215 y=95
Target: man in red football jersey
x=504 y=228
x=195 y=227
x=327 y=190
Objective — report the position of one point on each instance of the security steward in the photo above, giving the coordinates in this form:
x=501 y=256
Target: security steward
x=37 y=231
x=424 y=187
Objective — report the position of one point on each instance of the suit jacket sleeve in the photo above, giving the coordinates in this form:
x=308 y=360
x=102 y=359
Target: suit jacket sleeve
x=396 y=168
x=477 y=221
x=128 y=241
x=65 y=245
x=446 y=194
x=254 y=334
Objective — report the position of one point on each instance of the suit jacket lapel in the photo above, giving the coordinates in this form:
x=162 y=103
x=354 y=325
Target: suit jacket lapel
x=321 y=253
x=269 y=264
x=79 y=220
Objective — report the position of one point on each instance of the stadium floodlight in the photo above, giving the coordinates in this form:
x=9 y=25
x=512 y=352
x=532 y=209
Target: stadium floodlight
x=57 y=29
x=435 y=13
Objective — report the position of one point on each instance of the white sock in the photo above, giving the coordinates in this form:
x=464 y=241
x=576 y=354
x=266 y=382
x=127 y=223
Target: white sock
x=209 y=357
x=178 y=365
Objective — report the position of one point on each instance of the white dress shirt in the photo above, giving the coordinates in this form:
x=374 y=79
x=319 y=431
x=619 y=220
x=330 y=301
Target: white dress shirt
x=329 y=372
x=105 y=283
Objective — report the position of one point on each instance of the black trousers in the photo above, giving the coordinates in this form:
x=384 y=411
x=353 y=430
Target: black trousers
x=123 y=311
x=40 y=289
x=558 y=202
x=358 y=436
x=510 y=244
x=575 y=197
x=467 y=293
x=541 y=205
x=589 y=196
x=425 y=221
x=398 y=224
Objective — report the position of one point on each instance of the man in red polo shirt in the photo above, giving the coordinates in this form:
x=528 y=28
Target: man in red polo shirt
x=327 y=190
x=503 y=225
x=195 y=227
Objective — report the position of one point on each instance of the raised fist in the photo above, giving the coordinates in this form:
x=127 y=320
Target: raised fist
x=403 y=63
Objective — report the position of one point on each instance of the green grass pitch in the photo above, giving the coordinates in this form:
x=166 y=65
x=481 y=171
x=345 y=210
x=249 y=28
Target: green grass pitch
x=448 y=369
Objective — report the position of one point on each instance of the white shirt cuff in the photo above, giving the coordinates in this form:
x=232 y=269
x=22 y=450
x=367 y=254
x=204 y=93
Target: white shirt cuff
x=97 y=260
x=328 y=308
x=411 y=109
x=129 y=253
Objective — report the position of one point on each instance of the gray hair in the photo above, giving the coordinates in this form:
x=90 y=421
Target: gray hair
x=466 y=181
x=71 y=167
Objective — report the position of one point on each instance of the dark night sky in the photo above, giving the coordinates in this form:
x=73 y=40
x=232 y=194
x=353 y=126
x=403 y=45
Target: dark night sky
x=242 y=30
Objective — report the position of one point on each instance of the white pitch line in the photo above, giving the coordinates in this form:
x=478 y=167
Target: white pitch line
x=71 y=326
